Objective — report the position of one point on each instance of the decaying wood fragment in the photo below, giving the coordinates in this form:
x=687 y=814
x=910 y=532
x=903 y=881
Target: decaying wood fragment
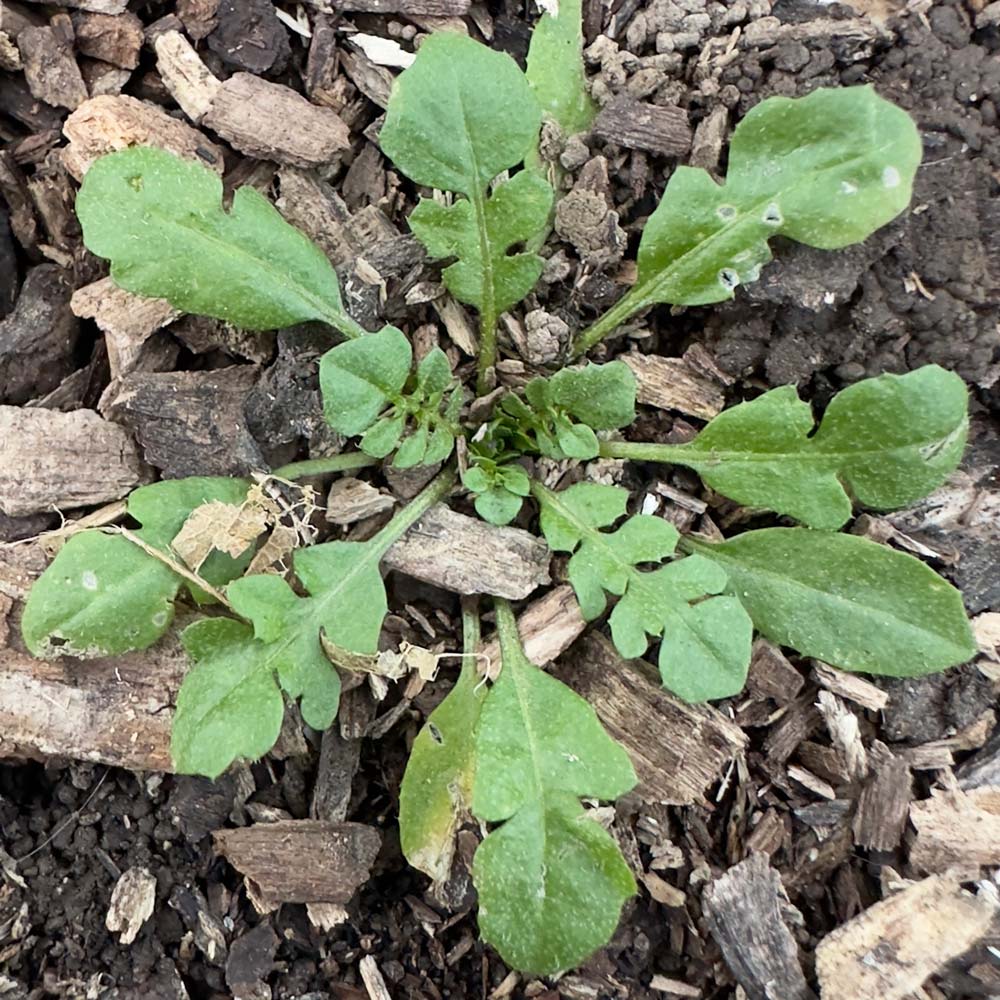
x=302 y=861
x=744 y=912
x=51 y=460
x=469 y=556
x=426 y=8
x=50 y=68
x=771 y=673
x=352 y=500
x=640 y=125
x=670 y=384
x=192 y=84
x=548 y=627
x=113 y=38
x=132 y=901
x=889 y=950
x=127 y=320
x=884 y=802
x=851 y=686
x=38 y=339
x=677 y=749
x=957 y=830
x=98 y=6
x=104 y=124
x=189 y=423
x=273 y=122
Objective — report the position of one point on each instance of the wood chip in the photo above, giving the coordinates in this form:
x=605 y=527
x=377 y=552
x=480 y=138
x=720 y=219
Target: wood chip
x=744 y=913
x=98 y=6
x=191 y=83
x=771 y=673
x=673 y=987
x=888 y=951
x=132 y=902
x=49 y=66
x=51 y=460
x=548 y=627
x=127 y=320
x=113 y=38
x=273 y=122
x=884 y=803
x=427 y=8
x=956 y=828
x=670 y=384
x=678 y=750
x=468 y=556
x=104 y=124
x=851 y=686
x=303 y=860
x=639 y=125
x=353 y=500
x=372 y=978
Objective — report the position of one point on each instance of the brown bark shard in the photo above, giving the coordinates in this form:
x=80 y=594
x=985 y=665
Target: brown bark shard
x=639 y=125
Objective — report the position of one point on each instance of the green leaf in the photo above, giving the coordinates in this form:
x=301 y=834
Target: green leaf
x=434 y=372
x=602 y=396
x=826 y=170
x=412 y=450
x=228 y=706
x=160 y=221
x=551 y=881
x=359 y=378
x=891 y=440
x=103 y=595
x=437 y=785
x=705 y=652
x=498 y=505
x=555 y=68
x=845 y=600
x=384 y=435
x=456 y=118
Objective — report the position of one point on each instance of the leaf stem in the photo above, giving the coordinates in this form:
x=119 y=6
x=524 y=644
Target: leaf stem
x=507 y=633
x=643 y=451
x=628 y=305
x=488 y=311
x=321 y=466
x=349 y=327
x=436 y=491
x=471 y=631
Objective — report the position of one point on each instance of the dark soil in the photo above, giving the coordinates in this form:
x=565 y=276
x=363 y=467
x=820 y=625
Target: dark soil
x=925 y=289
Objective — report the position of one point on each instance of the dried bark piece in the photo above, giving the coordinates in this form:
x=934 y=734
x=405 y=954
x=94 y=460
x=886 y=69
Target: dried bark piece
x=743 y=909
x=957 y=829
x=638 y=125
x=771 y=673
x=97 y=6
x=469 y=556
x=352 y=500
x=304 y=860
x=851 y=686
x=251 y=961
x=189 y=423
x=183 y=73
x=50 y=70
x=113 y=38
x=117 y=711
x=249 y=36
x=127 y=320
x=884 y=803
x=548 y=627
x=678 y=749
x=198 y=17
x=273 y=122
x=670 y=384
x=38 y=339
x=887 y=952
x=132 y=901
x=104 y=124
x=423 y=8
x=51 y=460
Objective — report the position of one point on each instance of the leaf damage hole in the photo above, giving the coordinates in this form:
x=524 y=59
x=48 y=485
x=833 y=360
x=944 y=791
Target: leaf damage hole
x=435 y=734
x=772 y=214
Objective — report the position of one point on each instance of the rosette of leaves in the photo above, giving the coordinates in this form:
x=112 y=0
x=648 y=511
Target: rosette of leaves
x=370 y=388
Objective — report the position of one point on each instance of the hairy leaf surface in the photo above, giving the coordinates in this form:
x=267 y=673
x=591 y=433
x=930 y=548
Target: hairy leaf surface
x=103 y=595
x=551 y=881
x=845 y=600
x=458 y=117
x=705 y=650
x=160 y=221
x=891 y=440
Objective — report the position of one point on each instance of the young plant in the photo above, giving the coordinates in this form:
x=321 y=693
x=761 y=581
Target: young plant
x=521 y=753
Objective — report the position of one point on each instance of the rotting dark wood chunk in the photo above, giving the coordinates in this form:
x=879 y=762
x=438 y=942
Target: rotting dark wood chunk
x=249 y=36
x=638 y=125
x=302 y=861
x=113 y=38
x=884 y=803
x=50 y=68
x=678 y=750
x=744 y=912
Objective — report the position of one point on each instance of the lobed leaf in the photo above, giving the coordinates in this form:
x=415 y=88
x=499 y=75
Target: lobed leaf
x=705 y=649
x=103 y=595
x=160 y=221
x=445 y=129
x=891 y=440
x=845 y=600
x=551 y=881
